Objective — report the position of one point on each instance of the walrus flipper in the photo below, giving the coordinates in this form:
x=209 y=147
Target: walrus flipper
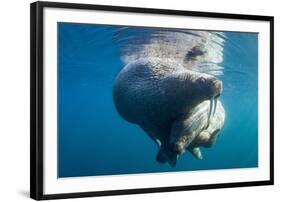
x=166 y=157
x=195 y=151
x=181 y=139
x=161 y=158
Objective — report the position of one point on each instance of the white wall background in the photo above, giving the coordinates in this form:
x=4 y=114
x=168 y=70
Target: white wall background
x=14 y=100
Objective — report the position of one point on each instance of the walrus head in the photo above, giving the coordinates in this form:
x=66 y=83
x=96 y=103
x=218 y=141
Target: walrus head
x=192 y=88
x=209 y=87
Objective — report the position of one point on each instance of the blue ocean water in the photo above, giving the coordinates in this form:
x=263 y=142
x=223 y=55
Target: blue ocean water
x=94 y=140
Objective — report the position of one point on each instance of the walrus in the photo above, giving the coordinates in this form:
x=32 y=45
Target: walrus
x=154 y=93
x=198 y=128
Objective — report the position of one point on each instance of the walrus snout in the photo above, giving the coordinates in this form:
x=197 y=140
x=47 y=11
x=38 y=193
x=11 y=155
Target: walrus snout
x=218 y=87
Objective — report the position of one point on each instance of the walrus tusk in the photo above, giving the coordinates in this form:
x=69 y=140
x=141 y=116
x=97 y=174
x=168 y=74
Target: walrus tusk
x=210 y=111
x=215 y=107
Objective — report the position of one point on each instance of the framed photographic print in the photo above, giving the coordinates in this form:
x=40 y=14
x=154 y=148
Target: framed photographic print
x=134 y=100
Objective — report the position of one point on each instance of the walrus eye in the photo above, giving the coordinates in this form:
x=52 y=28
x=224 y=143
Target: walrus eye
x=202 y=80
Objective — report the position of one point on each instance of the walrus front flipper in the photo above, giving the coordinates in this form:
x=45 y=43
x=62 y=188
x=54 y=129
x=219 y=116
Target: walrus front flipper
x=166 y=157
x=195 y=151
x=161 y=158
x=182 y=142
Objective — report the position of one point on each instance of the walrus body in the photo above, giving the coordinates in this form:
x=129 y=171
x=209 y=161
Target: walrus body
x=198 y=128
x=155 y=94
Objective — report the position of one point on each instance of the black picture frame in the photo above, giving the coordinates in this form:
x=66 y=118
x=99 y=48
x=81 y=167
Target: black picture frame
x=37 y=99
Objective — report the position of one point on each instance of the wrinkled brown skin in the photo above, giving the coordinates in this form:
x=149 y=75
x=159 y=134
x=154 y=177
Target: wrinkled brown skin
x=154 y=94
